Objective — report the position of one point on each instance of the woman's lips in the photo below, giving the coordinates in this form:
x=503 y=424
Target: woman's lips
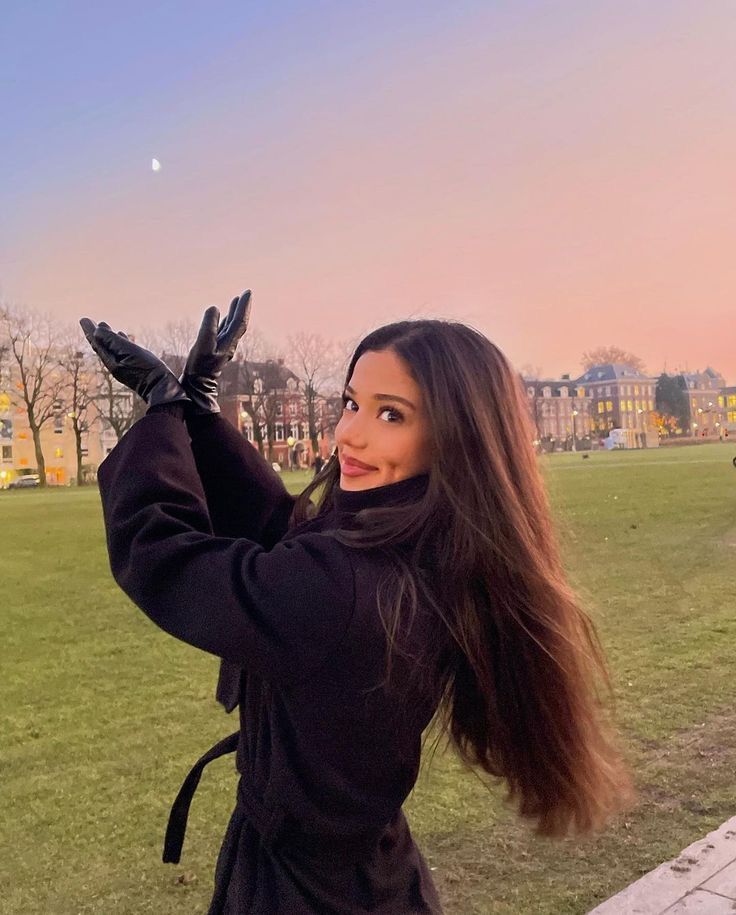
x=354 y=469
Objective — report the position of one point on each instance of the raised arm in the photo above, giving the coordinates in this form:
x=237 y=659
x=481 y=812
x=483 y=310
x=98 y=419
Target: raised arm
x=277 y=612
x=245 y=496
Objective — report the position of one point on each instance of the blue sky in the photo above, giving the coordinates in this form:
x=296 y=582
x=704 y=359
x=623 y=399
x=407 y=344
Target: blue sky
x=557 y=174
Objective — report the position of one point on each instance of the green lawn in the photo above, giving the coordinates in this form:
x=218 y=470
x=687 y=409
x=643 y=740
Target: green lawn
x=102 y=713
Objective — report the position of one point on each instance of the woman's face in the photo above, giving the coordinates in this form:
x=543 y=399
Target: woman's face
x=383 y=424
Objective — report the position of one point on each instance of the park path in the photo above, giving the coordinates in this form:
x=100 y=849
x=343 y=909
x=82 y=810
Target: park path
x=701 y=879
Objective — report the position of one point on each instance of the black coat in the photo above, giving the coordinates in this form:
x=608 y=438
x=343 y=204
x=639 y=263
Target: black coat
x=197 y=537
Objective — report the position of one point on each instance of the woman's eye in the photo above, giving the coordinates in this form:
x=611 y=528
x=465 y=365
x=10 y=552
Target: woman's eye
x=397 y=416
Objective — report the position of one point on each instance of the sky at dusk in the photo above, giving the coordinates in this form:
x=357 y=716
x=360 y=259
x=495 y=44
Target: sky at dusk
x=559 y=175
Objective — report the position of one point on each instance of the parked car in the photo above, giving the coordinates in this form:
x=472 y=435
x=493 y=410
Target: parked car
x=25 y=482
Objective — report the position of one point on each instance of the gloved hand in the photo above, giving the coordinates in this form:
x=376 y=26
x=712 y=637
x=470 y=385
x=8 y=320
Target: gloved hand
x=214 y=347
x=133 y=366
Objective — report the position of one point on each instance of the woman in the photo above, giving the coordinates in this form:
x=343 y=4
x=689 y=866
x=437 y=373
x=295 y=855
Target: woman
x=425 y=584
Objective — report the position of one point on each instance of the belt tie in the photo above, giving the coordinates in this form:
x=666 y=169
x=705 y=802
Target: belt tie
x=177 y=825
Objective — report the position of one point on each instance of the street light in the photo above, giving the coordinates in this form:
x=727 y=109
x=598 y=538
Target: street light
x=290 y=441
x=574 y=414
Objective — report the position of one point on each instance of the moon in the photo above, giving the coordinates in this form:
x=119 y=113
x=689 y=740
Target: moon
x=155 y=165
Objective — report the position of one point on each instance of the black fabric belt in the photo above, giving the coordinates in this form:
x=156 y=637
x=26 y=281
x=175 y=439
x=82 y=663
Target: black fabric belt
x=273 y=824
x=177 y=825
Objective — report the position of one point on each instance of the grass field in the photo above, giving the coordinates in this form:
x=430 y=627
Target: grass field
x=103 y=714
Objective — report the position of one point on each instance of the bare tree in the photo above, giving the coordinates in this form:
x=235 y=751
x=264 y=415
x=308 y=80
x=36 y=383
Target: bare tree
x=257 y=402
x=269 y=404
x=4 y=362
x=81 y=380
x=317 y=362
x=531 y=372
x=602 y=355
x=117 y=406
x=6 y=425
x=35 y=361
x=172 y=344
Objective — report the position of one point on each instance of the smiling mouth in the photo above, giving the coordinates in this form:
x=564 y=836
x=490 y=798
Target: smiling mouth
x=351 y=462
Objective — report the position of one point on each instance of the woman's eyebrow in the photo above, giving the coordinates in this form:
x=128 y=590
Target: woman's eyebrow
x=385 y=397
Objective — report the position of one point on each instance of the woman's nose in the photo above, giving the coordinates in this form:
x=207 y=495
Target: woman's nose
x=351 y=432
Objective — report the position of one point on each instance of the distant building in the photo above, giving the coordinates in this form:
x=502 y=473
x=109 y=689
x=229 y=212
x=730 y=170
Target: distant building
x=622 y=398
x=271 y=395
x=561 y=412
x=705 y=413
x=727 y=403
x=58 y=443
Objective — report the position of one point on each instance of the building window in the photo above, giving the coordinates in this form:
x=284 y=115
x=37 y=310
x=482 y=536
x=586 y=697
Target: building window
x=279 y=432
x=292 y=409
x=608 y=390
x=546 y=392
x=279 y=409
x=58 y=423
x=7 y=452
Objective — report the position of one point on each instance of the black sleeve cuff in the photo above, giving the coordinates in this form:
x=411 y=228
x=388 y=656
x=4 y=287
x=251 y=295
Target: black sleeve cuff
x=176 y=409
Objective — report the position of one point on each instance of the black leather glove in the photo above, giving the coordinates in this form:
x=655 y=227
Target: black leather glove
x=133 y=366
x=214 y=348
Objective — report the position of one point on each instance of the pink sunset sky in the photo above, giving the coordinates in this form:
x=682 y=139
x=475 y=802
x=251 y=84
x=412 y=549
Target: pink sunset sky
x=558 y=175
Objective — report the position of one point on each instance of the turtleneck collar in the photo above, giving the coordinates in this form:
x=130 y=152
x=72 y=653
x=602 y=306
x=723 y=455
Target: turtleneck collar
x=379 y=496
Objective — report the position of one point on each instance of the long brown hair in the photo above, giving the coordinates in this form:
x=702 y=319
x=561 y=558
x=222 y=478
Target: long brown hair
x=517 y=669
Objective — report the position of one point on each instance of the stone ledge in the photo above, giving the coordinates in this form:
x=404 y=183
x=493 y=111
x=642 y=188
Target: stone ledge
x=699 y=879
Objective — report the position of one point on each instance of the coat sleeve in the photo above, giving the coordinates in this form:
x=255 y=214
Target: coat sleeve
x=277 y=612
x=245 y=496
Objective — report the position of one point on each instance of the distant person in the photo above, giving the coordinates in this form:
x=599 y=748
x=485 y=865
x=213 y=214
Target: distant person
x=318 y=464
x=425 y=585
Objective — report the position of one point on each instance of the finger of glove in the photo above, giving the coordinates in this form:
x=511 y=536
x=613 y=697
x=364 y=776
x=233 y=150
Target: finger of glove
x=225 y=323
x=116 y=345
x=90 y=332
x=237 y=325
x=88 y=327
x=207 y=336
x=228 y=317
